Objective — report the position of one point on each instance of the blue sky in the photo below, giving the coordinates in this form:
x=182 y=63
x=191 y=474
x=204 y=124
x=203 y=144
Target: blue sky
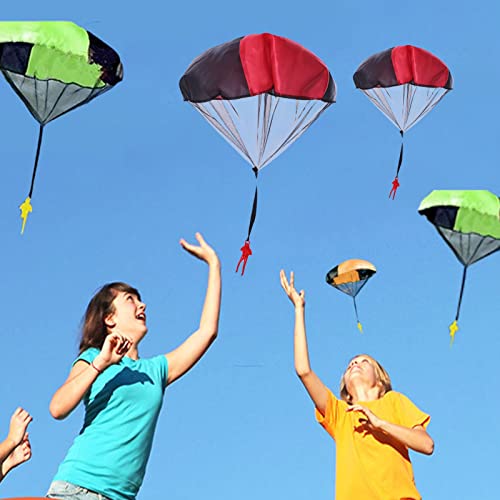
x=122 y=179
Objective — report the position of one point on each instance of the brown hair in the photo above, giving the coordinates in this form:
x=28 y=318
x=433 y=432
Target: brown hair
x=94 y=329
x=383 y=380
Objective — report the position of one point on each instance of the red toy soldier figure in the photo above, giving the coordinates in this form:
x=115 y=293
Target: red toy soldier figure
x=246 y=251
x=395 y=185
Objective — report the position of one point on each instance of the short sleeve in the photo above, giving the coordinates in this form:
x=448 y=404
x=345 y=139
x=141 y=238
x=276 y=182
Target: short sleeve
x=409 y=414
x=329 y=420
x=88 y=355
x=163 y=369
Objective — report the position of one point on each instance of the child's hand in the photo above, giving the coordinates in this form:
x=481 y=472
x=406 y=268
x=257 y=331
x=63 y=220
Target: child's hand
x=203 y=252
x=18 y=424
x=298 y=299
x=371 y=420
x=114 y=348
x=20 y=454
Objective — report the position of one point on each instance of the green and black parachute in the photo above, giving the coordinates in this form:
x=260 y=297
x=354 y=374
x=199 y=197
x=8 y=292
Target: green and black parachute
x=469 y=222
x=54 y=67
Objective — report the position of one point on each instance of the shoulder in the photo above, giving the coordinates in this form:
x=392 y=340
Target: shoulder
x=88 y=355
x=157 y=365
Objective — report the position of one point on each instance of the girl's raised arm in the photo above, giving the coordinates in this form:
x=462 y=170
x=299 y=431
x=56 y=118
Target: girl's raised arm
x=183 y=358
x=314 y=386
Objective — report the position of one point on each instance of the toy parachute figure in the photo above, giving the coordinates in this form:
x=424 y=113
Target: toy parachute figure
x=261 y=93
x=405 y=83
x=469 y=222
x=350 y=277
x=54 y=67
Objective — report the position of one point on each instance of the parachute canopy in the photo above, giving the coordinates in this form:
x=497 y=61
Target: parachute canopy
x=54 y=67
x=405 y=83
x=261 y=93
x=350 y=277
x=469 y=222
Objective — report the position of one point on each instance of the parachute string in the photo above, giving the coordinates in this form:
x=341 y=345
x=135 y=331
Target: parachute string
x=37 y=156
x=246 y=251
x=461 y=292
x=254 y=205
x=297 y=131
x=54 y=106
x=472 y=257
x=395 y=182
x=400 y=161
x=454 y=326
x=360 y=328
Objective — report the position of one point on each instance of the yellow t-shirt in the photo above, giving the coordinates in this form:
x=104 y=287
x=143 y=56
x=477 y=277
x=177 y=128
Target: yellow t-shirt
x=372 y=467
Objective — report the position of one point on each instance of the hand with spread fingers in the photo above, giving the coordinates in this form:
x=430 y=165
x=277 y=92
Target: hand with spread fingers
x=18 y=424
x=369 y=419
x=114 y=348
x=298 y=299
x=203 y=251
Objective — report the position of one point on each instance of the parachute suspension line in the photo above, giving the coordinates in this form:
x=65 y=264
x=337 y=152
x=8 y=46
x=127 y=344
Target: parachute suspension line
x=246 y=251
x=26 y=207
x=360 y=327
x=454 y=325
x=395 y=182
x=40 y=136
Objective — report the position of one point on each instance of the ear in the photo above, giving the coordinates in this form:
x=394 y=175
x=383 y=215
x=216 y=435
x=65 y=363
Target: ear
x=109 y=320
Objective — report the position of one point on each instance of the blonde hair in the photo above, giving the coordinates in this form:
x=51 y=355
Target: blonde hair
x=383 y=380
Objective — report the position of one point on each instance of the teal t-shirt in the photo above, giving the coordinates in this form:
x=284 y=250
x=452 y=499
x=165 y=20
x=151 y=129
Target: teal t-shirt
x=110 y=454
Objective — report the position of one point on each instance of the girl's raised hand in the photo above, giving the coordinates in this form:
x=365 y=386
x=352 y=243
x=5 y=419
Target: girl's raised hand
x=18 y=424
x=203 y=252
x=298 y=299
x=114 y=348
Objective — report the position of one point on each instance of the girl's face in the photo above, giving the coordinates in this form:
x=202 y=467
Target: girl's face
x=129 y=316
x=361 y=369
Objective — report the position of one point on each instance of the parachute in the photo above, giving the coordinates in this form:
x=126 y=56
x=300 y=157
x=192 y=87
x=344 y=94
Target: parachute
x=469 y=222
x=54 y=67
x=405 y=83
x=350 y=277
x=261 y=93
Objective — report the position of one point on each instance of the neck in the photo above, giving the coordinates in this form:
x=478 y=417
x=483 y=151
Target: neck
x=363 y=393
x=133 y=353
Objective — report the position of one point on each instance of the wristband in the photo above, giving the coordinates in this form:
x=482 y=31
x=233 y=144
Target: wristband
x=95 y=368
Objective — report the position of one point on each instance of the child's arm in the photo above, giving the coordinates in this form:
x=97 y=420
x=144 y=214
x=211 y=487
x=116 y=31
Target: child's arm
x=415 y=438
x=18 y=424
x=83 y=375
x=183 y=358
x=314 y=386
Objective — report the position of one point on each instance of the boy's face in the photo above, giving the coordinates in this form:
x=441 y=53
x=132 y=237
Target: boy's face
x=361 y=369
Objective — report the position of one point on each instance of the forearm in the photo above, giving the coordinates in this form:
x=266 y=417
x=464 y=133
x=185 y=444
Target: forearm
x=314 y=386
x=183 y=358
x=209 y=321
x=301 y=352
x=69 y=395
x=414 y=438
x=6 y=448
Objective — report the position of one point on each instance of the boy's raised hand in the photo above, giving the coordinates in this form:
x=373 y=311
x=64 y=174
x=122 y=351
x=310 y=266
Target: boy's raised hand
x=298 y=299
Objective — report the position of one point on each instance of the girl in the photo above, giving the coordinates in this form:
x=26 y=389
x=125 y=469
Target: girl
x=372 y=425
x=121 y=392
x=16 y=448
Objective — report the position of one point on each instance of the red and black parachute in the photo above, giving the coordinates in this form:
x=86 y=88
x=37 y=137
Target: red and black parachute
x=261 y=93
x=405 y=83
